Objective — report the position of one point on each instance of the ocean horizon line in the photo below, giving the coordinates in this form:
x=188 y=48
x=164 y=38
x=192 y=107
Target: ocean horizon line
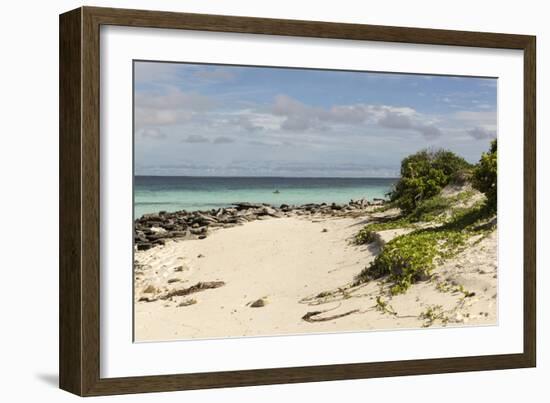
x=267 y=177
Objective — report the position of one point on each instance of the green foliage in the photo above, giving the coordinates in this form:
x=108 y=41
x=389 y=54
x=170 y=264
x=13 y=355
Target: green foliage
x=385 y=207
x=484 y=176
x=424 y=174
x=364 y=236
x=432 y=314
x=429 y=210
x=383 y=306
x=411 y=257
x=368 y=233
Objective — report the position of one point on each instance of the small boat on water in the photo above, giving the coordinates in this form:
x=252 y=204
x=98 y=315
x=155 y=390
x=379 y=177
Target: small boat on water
x=276 y=191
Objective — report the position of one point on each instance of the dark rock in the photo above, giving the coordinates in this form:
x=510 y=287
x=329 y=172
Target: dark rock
x=246 y=205
x=150 y=217
x=140 y=237
x=144 y=246
x=202 y=236
x=270 y=211
x=259 y=303
x=198 y=231
x=205 y=219
x=310 y=206
x=159 y=235
x=179 y=234
x=187 y=302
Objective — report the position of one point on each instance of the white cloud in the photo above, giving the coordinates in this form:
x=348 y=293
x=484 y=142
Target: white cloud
x=152 y=133
x=168 y=108
x=195 y=138
x=480 y=133
x=215 y=75
x=485 y=119
x=155 y=72
x=223 y=140
x=301 y=117
x=246 y=123
x=408 y=119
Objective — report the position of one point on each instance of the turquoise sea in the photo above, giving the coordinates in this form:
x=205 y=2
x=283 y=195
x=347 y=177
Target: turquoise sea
x=171 y=193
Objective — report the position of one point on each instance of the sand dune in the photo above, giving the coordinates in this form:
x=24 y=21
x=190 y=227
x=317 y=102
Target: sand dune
x=293 y=275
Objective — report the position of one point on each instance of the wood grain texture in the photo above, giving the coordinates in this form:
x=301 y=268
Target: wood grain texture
x=90 y=202
x=70 y=270
x=80 y=200
x=530 y=203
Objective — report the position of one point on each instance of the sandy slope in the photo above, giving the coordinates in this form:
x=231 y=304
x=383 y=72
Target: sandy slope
x=297 y=267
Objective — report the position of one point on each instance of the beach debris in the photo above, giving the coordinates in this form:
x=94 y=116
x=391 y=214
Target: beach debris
x=200 y=255
x=187 y=302
x=259 y=303
x=199 y=230
x=324 y=230
x=146 y=299
x=246 y=205
x=312 y=316
x=178 y=268
x=150 y=289
x=158 y=230
x=173 y=280
x=152 y=230
x=200 y=286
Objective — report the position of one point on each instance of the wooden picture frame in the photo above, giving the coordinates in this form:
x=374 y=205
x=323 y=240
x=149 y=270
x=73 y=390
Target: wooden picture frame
x=79 y=348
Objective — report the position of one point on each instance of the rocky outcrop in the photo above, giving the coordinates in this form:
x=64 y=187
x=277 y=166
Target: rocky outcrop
x=151 y=230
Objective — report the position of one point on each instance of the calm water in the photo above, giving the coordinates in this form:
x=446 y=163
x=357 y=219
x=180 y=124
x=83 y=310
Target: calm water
x=172 y=193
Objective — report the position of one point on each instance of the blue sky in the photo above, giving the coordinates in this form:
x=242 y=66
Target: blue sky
x=217 y=120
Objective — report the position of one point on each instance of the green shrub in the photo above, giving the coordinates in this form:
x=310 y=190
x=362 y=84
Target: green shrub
x=368 y=233
x=430 y=209
x=364 y=236
x=484 y=177
x=433 y=209
x=424 y=174
x=411 y=257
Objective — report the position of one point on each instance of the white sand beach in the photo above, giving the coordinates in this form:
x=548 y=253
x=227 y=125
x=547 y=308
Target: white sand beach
x=294 y=275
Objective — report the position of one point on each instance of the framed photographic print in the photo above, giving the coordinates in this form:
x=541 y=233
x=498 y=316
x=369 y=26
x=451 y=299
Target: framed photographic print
x=249 y=201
